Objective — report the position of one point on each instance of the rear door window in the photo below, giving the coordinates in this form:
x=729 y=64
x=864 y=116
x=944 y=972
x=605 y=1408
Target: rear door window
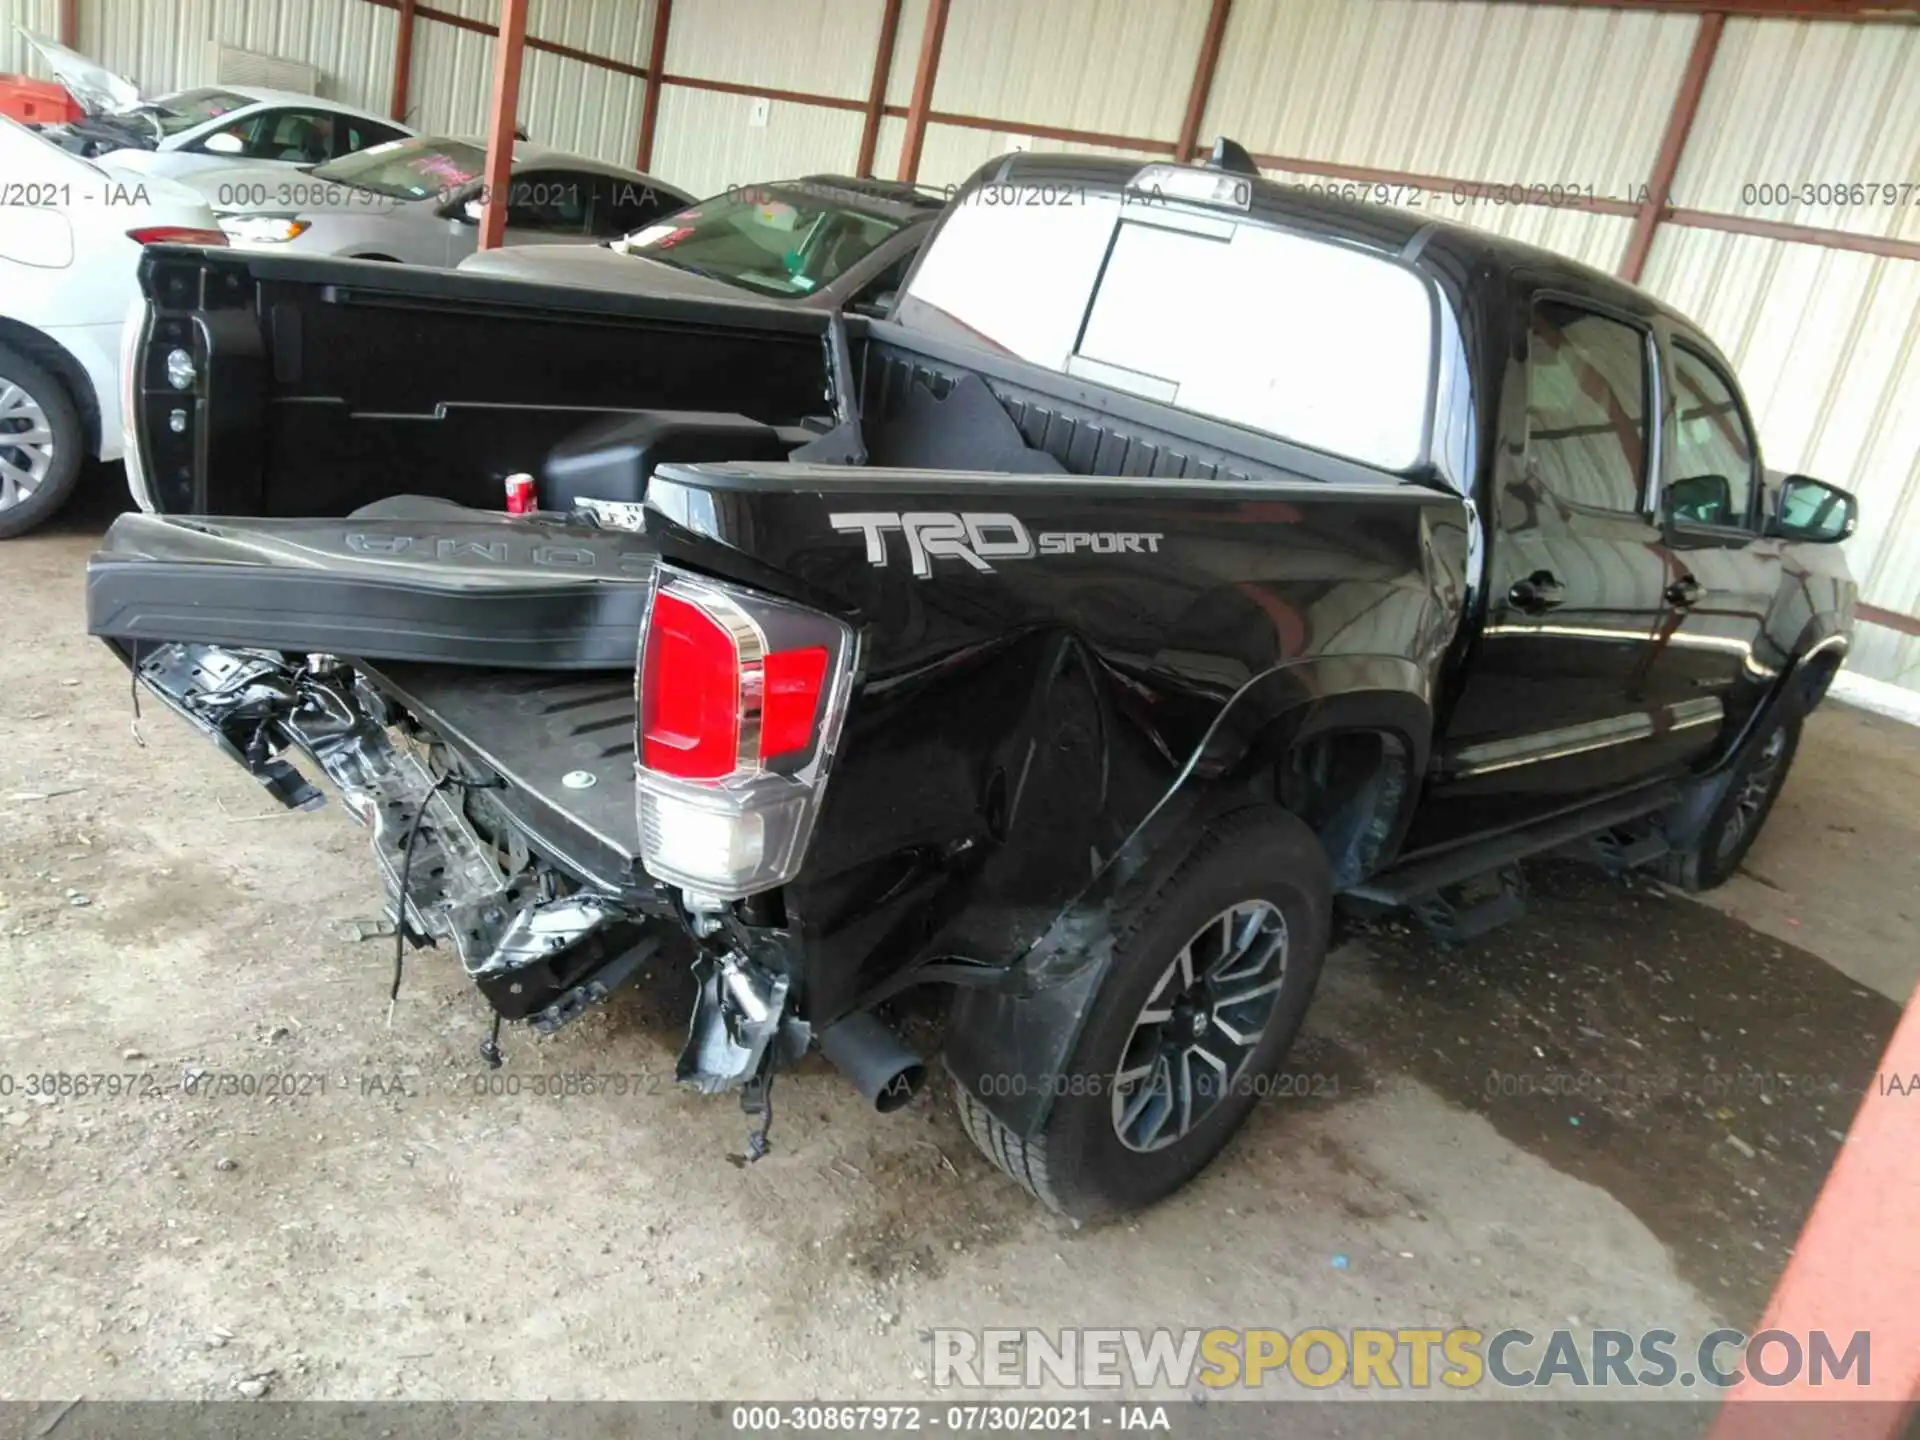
x=1587 y=385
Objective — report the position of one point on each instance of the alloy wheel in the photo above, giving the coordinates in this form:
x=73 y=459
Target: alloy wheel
x=1200 y=1026
x=26 y=444
x=1756 y=788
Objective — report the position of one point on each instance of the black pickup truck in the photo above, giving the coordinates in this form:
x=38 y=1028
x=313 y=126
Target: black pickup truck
x=1182 y=552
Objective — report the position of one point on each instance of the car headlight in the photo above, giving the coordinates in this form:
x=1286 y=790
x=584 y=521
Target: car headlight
x=268 y=229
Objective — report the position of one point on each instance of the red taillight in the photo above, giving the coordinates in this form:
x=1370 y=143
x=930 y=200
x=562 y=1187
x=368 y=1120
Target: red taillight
x=794 y=681
x=177 y=235
x=742 y=696
x=690 y=693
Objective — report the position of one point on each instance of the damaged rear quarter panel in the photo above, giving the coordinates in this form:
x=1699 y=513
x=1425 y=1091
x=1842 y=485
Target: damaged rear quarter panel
x=1018 y=718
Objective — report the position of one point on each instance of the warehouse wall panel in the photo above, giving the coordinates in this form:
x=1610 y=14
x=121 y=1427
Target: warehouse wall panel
x=1825 y=117
x=1117 y=66
x=580 y=107
x=822 y=46
x=886 y=150
x=705 y=143
x=906 y=58
x=163 y=45
x=1513 y=94
x=564 y=102
x=42 y=17
x=452 y=79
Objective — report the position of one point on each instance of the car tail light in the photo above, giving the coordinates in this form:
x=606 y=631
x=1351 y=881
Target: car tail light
x=741 y=698
x=177 y=235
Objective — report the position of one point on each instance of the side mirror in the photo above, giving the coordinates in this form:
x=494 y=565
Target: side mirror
x=1813 y=511
x=469 y=212
x=224 y=142
x=1701 y=500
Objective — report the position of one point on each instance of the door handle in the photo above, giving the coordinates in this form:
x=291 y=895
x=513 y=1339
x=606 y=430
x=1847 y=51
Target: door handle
x=1538 y=593
x=1685 y=591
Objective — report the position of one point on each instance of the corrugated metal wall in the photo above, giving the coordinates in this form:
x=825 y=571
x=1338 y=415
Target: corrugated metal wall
x=42 y=17
x=1827 y=342
x=163 y=44
x=1507 y=95
x=1486 y=93
x=1116 y=66
x=708 y=140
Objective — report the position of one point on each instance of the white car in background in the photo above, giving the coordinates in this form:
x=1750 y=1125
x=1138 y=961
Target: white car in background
x=418 y=202
x=71 y=232
x=277 y=133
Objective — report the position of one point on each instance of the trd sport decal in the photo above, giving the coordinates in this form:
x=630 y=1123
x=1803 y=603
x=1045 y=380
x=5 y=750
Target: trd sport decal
x=977 y=538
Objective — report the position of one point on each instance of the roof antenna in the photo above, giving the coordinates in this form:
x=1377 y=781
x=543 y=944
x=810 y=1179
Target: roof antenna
x=1232 y=157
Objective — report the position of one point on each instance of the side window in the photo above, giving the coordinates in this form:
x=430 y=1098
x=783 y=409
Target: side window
x=622 y=206
x=552 y=202
x=351 y=135
x=300 y=136
x=249 y=132
x=1587 y=406
x=1709 y=474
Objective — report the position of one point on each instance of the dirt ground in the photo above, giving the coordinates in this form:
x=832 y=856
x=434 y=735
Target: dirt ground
x=1615 y=1112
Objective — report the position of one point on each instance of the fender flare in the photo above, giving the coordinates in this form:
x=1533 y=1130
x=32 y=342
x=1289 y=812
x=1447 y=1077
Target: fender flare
x=1008 y=1044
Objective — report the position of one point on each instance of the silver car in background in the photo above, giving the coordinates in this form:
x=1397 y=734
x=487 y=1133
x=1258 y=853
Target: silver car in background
x=418 y=202
x=832 y=242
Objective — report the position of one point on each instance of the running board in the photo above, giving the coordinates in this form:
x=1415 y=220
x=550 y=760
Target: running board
x=1426 y=876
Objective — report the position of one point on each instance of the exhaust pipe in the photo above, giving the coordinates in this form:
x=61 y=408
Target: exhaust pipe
x=872 y=1057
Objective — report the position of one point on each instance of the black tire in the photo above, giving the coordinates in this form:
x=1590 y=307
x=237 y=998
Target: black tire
x=29 y=389
x=1255 y=863
x=1742 y=810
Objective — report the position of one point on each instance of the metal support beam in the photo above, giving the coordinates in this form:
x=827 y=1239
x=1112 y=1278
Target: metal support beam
x=877 y=90
x=1673 y=144
x=508 y=51
x=656 y=77
x=70 y=23
x=403 y=62
x=931 y=39
x=1203 y=69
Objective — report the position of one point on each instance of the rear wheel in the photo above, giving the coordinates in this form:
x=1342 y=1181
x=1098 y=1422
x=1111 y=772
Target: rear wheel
x=40 y=443
x=1210 y=980
x=1735 y=822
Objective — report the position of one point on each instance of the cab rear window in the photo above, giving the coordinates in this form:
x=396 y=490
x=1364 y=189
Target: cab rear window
x=1310 y=341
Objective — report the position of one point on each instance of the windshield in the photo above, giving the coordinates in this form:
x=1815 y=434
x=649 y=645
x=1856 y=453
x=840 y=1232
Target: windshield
x=410 y=169
x=175 y=113
x=773 y=239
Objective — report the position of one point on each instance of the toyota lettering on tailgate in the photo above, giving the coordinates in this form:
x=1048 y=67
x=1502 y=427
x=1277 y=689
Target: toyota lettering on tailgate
x=977 y=537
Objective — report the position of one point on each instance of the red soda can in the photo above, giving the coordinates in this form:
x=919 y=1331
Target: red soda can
x=520 y=496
